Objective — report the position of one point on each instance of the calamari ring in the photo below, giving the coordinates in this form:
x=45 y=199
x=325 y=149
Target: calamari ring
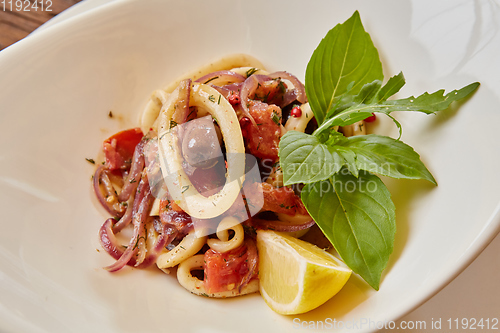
x=196 y=286
x=223 y=243
x=187 y=248
x=180 y=187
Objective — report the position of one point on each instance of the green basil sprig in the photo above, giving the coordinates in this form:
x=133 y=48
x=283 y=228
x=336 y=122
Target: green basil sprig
x=349 y=203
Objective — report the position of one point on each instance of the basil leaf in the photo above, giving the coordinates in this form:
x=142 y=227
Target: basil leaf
x=426 y=103
x=349 y=158
x=304 y=159
x=385 y=156
x=358 y=217
x=344 y=61
x=392 y=86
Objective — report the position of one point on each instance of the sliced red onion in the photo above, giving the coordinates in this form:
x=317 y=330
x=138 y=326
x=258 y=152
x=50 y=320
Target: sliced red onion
x=298 y=86
x=229 y=89
x=101 y=177
x=109 y=242
x=165 y=237
x=223 y=76
x=126 y=218
x=142 y=206
x=288 y=97
x=280 y=225
x=130 y=184
x=248 y=88
x=234 y=87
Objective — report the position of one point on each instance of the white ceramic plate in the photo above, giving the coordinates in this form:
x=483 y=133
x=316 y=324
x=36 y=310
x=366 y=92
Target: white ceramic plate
x=58 y=86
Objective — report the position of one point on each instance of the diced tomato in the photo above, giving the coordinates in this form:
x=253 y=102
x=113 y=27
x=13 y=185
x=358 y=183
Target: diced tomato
x=263 y=139
x=229 y=270
x=281 y=200
x=119 y=148
x=270 y=92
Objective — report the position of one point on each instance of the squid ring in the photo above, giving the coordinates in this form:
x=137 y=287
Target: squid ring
x=178 y=183
x=224 y=244
x=196 y=286
x=188 y=247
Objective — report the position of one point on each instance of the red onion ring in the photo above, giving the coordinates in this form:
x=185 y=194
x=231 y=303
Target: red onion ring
x=109 y=242
x=142 y=206
x=166 y=236
x=98 y=178
x=248 y=88
x=288 y=97
x=298 y=86
x=280 y=225
x=130 y=184
x=126 y=218
x=224 y=76
x=229 y=89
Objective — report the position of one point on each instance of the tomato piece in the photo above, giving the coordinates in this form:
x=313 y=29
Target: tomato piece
x=119 y=148
x=230 y=270
x=263 y=140
x=281 y=200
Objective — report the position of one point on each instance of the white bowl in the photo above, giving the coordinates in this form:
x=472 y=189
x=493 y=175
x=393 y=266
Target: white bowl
x=58 y=86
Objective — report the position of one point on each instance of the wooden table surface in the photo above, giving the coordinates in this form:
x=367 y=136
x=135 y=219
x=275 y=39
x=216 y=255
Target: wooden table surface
x=18 y=18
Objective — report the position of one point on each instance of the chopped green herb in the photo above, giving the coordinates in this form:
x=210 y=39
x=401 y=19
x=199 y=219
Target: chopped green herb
x=90 y=160
x=137 y=242
x=211 y=98
x=214 y=78
x=265 y=98
x=281 y=86
x=276 y=118
x=251 y=71
x=192 y=109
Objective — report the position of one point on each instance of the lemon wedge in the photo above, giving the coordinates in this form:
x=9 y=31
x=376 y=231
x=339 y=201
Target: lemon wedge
x=297 y=276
